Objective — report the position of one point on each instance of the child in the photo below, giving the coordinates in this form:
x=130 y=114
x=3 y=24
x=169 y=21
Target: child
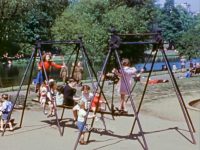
x=43 y=96
x=52 y=97
x=96 y=103
x=86 y=98
x=128 y=72
x=64 y=73
x=60 y=95
x=80 y=123
x=6 y=108
x=188 y=74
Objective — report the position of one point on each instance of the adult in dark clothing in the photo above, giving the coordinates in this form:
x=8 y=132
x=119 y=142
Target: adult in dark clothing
x=69 y=93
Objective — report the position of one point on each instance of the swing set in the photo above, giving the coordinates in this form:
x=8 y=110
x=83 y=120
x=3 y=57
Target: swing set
x=114 y=46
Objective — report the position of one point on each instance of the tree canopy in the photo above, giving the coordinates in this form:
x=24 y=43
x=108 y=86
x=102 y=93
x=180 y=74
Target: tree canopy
x=22 y=20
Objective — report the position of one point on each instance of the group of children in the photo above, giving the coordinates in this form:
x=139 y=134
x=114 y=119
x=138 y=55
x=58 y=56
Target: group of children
x=54 y=95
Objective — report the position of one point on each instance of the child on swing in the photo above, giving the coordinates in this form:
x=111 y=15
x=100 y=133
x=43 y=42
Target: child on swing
x=43 y=96
x=129 y=72
x=52 y=97
x=86 y=98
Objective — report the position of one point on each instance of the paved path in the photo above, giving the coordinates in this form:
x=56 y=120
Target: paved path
x=162 y=122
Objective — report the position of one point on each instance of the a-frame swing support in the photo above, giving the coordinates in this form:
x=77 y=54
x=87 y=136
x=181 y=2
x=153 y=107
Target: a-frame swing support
x=176 y=89
x=80 y=50
x=114 y=44
x=37 y=50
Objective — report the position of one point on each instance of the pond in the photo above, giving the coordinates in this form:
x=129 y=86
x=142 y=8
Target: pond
x=11 y=75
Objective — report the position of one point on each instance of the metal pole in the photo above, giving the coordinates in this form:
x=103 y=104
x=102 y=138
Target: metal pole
x=22 y=81
x=98 y=83
x=180 y=98
x=131 y=99
x=144 y=91
x=75 y=63
x=29 y=82
x=92 y=123
x=102 y=73
x=49 y=90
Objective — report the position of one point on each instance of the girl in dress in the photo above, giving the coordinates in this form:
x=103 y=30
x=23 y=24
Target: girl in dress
x=129 y=72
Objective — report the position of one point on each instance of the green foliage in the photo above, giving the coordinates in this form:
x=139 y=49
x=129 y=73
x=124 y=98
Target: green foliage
x=174 y=20
x=92 y=18
x=22 y=20
x=189 y=42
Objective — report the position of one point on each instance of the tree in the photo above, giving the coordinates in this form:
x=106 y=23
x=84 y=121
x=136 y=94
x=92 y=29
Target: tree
x=93 y=18
x=22 y=20
x=189 y=42
x=174 y=20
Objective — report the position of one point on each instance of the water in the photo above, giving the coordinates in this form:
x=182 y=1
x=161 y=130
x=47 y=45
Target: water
x=158 y=65
x=12 y=75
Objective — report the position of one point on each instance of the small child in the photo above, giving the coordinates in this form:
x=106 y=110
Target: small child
x=60 y=95
x=6 y=108
x=43 y=96
x=97 y=102
x=52 y=97
x=86 y=98
x=80 y=123
x=64 y=73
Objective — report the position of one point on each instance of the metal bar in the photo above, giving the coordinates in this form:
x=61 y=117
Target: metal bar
x=143 y=67
x=112 y=100
x=138 y=43
x=92 y=123
x=60 y=42
x=71 y=54
x=53 y=100
x=75 y=63
x=98 y=83
x=138 y=34
x=29 y=82
x=144 y=91
x=180 y=98
x=102 y=73
x=20 y=87
x=62 y=114
x=131 y=99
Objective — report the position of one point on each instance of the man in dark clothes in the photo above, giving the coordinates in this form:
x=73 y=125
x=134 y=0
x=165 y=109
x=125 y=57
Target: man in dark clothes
x=69 y=93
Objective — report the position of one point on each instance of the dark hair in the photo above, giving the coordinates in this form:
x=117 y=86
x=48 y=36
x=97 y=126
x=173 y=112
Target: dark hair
x=60 y=89
x=51 y=84
x=87 y=87
x=69 y=80
x=5 y=96
x=44 y=56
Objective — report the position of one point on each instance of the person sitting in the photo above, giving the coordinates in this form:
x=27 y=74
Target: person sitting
x=70 y=92
x=188 y=74
x=60 y=95
x=155 y=81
